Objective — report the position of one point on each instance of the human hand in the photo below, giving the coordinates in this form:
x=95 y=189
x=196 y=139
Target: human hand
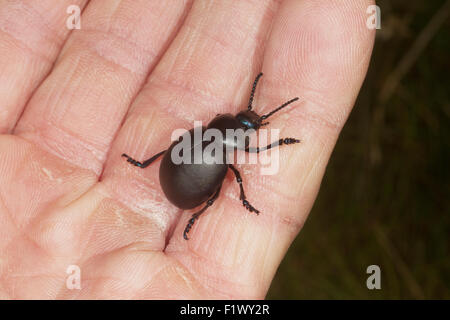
x=72 y=103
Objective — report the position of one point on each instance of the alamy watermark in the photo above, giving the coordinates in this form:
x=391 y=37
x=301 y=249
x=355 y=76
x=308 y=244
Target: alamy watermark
x=374 y=20
x=374 y=280
x=74 y=19
x=73 y=281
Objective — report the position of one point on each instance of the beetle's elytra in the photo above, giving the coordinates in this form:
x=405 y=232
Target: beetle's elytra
x=188 y=185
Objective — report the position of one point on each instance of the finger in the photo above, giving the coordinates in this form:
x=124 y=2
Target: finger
x=31 y=35
x=318 y=50
x=205 y=71
x=76 y=111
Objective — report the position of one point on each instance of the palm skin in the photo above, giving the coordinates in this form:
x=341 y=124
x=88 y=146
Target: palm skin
x=73 y=102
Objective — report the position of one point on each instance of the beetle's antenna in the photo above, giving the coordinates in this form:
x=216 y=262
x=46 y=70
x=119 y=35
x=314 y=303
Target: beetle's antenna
x=252 y=94
x=278 y=109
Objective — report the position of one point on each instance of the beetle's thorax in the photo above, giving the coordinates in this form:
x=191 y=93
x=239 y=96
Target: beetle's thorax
x=235 y=133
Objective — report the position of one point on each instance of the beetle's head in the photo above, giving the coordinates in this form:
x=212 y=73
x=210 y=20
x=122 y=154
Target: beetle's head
x=249 y=119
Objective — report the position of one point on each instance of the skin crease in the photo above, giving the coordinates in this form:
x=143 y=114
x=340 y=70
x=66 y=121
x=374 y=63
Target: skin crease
x=136 y=71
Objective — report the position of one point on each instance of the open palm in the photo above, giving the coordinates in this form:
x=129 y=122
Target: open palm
x=73 y=101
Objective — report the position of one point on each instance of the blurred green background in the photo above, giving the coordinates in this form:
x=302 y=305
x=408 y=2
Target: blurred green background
x=385 y=196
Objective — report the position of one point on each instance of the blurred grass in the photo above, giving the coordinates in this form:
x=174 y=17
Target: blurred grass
x=385 y=196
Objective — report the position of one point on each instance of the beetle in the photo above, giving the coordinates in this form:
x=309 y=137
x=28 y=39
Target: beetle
x=188 y=185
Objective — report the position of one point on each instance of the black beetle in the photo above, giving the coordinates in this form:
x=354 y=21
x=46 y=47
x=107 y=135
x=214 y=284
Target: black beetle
x=187 y=185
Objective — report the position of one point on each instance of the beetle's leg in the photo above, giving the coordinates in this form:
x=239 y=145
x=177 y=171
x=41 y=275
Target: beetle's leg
x=273 y=144
x=144 y=164
x=242 y=196
x=195 y=216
